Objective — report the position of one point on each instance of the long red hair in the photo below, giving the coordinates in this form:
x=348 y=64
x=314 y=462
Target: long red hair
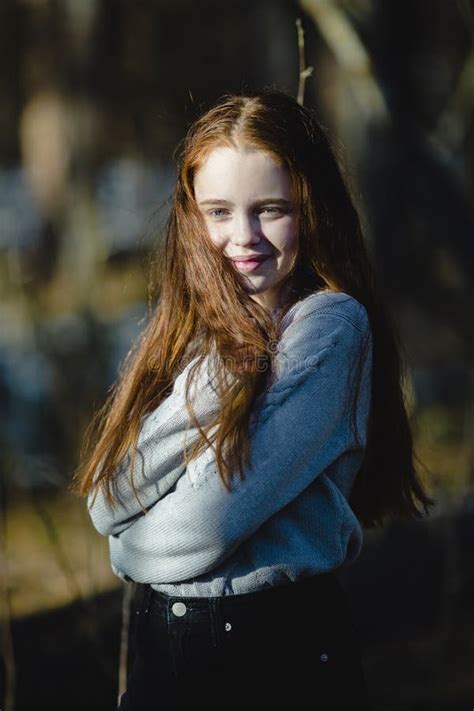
x=198 y=307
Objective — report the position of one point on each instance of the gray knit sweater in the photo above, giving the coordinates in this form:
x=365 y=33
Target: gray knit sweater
x=289 y=517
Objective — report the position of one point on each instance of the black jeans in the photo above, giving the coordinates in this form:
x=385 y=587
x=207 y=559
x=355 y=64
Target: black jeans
x=292 y=644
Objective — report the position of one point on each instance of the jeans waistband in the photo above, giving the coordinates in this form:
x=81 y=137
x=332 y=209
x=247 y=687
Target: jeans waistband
x=319 y=584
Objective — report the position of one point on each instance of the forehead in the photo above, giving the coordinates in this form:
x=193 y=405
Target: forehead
x=227 y=168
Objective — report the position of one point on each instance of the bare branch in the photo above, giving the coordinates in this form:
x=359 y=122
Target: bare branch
x=304 y=72
x=350 y=54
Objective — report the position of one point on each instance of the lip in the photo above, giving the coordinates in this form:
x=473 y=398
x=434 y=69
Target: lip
x=249 y=264
x=251 y=257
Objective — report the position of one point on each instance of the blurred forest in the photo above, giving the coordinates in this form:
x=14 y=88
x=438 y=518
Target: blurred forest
x=95 y=96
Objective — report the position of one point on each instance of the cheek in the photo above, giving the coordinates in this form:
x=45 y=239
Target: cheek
x=287 y=241
x=215 y=235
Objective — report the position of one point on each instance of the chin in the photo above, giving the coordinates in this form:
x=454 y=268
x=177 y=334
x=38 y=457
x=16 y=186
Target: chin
x=258 y=288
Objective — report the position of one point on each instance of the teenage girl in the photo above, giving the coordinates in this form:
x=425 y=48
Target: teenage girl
x=264 y=401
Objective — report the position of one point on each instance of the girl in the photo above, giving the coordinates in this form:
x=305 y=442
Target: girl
x=269 y=354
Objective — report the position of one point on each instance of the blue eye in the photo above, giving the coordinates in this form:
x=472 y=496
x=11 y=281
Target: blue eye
x=270 y=208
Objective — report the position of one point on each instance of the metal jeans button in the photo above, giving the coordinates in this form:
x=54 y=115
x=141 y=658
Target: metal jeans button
x=179 y=609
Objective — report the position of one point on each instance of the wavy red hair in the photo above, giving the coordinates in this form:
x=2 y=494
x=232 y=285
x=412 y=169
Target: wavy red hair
x=191 y=317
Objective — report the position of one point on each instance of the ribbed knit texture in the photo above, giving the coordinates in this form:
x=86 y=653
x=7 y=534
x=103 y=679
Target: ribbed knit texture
x=289 y=517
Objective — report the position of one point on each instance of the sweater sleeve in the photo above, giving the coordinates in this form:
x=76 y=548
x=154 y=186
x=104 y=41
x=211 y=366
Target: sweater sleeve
x=304 y=425
x=159 y=461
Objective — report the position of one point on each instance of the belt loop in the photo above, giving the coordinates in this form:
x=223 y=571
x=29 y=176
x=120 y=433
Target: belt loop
x=143 y=592
x=148 y=593
x=216 y=621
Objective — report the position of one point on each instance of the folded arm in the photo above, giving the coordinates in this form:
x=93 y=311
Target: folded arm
x=304 y=426
x=159 y=460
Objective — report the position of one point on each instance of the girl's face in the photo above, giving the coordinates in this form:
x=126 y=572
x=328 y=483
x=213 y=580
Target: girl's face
x=245 y=198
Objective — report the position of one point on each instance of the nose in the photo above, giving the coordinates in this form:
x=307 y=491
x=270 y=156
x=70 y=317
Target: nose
x=246 y=230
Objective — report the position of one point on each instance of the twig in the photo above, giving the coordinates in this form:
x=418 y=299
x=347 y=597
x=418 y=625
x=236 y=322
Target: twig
x=58 y=550
x=350 y=53
x=304 y=72
x=124 y=634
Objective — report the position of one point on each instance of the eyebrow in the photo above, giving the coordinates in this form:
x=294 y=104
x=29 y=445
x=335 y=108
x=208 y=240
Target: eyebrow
x=217 y=201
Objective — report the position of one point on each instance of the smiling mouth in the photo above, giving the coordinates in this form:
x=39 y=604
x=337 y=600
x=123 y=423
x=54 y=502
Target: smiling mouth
x=249 y=265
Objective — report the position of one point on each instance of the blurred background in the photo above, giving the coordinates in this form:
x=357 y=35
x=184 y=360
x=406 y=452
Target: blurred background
x=95 y=96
